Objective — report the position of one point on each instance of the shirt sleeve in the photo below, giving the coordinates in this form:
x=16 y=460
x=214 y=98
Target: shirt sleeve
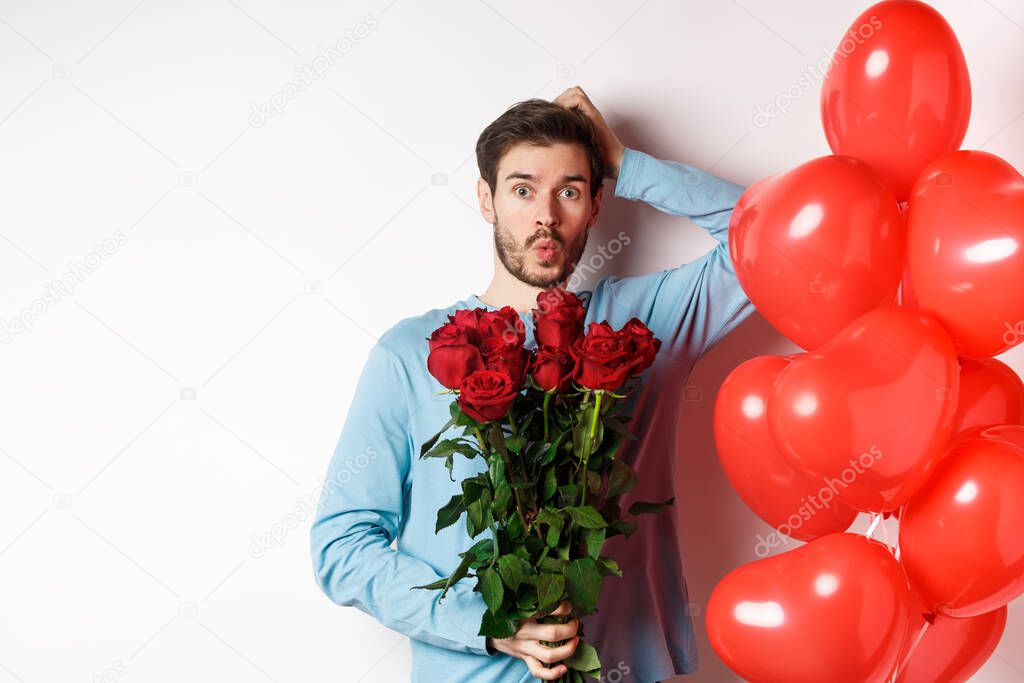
x=694 y=305
x=360 y=514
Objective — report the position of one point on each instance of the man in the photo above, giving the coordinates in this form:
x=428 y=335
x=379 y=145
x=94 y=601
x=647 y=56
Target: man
x=542 y=165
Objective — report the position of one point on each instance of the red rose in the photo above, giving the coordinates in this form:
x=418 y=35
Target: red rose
x=643 y=342
x=486 y=395
x=558 y=318
x=501 y=355
x=504 y=323
x=552 y=369
x=605 y=358
x=452 y=357
x=468 y=319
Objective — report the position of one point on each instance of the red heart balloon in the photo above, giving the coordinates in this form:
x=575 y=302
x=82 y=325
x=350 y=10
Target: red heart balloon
x=786 y=499
x=817 y=246
x=965 y=250
x=833 y=610
x=962 y=535
x=898 y=94
x=870 y=411
x=950 y=650
x=991 y=393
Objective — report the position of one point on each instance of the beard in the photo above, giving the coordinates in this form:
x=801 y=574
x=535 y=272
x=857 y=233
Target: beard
x=514 y=257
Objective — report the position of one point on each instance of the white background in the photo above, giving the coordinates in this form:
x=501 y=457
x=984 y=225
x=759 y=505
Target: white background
x=184 y=399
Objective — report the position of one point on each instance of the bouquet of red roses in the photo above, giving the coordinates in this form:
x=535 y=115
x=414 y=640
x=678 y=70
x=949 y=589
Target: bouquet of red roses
x=547 y=425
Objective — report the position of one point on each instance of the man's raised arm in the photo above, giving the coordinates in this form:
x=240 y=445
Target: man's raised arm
x=690 y=307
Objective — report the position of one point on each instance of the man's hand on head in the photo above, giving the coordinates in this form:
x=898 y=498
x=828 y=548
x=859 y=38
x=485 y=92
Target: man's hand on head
x=611 y=148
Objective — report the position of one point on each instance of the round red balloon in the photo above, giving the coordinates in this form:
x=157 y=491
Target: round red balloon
x=965 y=250
x=817 y=246
x=991 y=393
x=790 y=502
x=951 y=650
x=962 y=535
x=898 y=94
x=833 y=610
x=869 y=412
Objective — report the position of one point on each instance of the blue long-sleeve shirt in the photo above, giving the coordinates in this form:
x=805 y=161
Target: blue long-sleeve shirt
x=377 y=491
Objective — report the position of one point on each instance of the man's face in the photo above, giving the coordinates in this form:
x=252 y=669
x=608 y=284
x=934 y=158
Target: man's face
x=541 y=211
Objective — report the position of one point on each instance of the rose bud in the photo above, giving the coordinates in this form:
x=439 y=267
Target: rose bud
x=504 y=323
x=558 y=318
x=552 y=369
x=501 y=355
x=469 y=320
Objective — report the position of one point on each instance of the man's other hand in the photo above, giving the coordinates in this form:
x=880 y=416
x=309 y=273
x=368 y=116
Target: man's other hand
x=526 y=645
x=611 y=148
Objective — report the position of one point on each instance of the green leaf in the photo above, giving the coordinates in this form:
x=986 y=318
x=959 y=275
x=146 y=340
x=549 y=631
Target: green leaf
x=512 y=569
x=478 y=515
x=621 y=479
x=552 y=565
x=641 y=507
x=460 y=573
x=449 y=446
x=584 y=658
x=583 y=583
x=492 y=589
x=502 y=498
x=553 y=519
x=497 y=627
x=450 y=513
x=432 y=440
x=587 y=517
x=594 y=540
x=608 y=567
x=549 y=589
x=496 y=468
x=570 y=493
x=516 y=532
x=550 y=484
x=554 y=531
x=553 y=449
x=461 y=419
x=516 y=444
x=527 y=604
x=483 y=550
x=474 y=487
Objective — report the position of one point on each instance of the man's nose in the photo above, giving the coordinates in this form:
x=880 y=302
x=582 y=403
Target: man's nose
x=547 y=213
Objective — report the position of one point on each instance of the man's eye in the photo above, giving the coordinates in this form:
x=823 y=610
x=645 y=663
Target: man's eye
x=524 y=189
x=572 y=191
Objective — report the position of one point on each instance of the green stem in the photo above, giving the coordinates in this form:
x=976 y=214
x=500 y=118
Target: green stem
x=508 y=473
x=547 y=401
x=588 y=447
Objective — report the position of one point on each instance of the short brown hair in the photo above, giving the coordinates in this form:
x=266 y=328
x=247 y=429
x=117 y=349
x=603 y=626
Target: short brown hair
x=537 y=122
